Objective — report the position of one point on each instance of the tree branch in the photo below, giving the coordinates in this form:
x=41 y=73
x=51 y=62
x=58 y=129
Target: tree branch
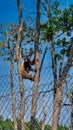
x=43 y=58
x=68 y=64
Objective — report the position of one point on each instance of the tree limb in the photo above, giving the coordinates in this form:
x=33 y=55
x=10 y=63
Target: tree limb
x=68 y=64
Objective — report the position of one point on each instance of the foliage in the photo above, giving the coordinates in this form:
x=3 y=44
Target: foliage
x=8 y=38
x=63 y=127
x=58 y=26
x=59 y=23
x=8 y=125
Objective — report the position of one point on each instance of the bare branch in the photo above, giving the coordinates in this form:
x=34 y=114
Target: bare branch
x=27 y=10
x=68 y=64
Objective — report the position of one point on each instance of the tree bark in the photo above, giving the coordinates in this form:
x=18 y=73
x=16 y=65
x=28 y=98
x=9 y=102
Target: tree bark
x=12 y=87
x=13 y=94
x=57 y=107
x=54 y=65
x=59 y=89
x=18 y=55
x=44 y=113
x=37 y=67
x=72 y=113
x=42 y=61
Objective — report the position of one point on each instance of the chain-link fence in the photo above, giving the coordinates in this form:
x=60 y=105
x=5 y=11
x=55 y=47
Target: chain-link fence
x=45 y=96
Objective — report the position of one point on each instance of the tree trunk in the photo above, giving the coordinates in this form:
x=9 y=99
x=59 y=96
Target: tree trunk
x=12 y=87
x=72 y=113
x=37 y=67
x=58 y=90
x=18 y=55
x=22 y=102
x=57 y=107
x=13 y=94
x=35 y=96
x=44 y=113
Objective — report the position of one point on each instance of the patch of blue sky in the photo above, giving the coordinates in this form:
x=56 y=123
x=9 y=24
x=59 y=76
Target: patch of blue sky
x=8 y=13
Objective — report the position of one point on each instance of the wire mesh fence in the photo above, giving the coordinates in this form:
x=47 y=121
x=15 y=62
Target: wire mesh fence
x=45 y=95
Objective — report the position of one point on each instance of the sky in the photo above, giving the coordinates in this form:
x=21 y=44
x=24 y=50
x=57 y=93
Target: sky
x=8 y=9
x=9 y=13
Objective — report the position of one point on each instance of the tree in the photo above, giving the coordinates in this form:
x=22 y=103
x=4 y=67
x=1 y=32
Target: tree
x=57 y=32
x=12 y=89
x=44 y=113
x=72 y=113
x=58 y=25
x=70 y=96
x=8 y=35
x=9 y=50
x=18 y=55
x=37 y=68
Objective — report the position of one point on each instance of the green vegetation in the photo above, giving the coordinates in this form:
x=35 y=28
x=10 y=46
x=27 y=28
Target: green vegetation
x=8 y=125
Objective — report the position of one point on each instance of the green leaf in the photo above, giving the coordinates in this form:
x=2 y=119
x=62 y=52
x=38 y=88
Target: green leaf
x=62 y=51
x=59 y=41
x=58 y=56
